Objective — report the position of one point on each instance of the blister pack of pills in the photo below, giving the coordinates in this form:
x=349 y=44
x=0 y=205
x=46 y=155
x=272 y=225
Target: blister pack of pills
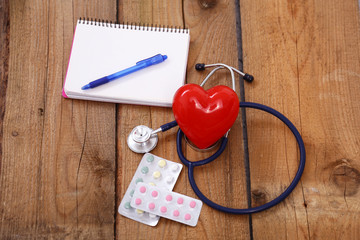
x=165 y=203
x=154 y=171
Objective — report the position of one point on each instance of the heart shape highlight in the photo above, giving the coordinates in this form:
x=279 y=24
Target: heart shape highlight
x=205 y=116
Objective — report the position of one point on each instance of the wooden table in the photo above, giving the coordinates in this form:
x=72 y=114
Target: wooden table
x=65 y=164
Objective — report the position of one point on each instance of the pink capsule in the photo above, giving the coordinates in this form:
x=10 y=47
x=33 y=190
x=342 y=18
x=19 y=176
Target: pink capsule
x=163 y=209
x=176 y=213
x=151 y=206
x=192 y=204
x=168 y=198
x=138 y=201
x=187 y=216
x=142 y=189
x=154 y=193
x=180 y=201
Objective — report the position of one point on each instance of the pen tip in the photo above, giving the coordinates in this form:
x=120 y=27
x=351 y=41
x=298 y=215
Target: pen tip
x=87 y=86
x=164 y=57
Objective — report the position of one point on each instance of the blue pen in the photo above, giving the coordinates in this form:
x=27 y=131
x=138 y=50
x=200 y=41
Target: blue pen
x=139 y=65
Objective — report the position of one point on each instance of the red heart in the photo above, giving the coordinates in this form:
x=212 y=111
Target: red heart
x=205 y=116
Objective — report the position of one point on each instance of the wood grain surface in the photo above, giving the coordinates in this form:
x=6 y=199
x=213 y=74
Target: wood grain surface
x=305 y=56
x=65 y=164
x=4 y=65
x=58 y=158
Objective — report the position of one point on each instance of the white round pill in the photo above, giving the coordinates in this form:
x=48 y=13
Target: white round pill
x=152 y=215
x=169 y=179
x=174 y=167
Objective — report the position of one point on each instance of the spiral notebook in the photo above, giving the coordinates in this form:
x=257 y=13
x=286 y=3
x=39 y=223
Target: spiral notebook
x=101 y=48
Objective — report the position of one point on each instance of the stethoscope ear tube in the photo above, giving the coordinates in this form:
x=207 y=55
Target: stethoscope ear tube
x=144 y=139
x=265 y=206
x=190 y=164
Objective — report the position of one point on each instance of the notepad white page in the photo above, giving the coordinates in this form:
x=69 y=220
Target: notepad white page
x=100 y=50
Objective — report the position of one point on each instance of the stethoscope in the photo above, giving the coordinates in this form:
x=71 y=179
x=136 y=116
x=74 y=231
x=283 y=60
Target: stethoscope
x=143 y=139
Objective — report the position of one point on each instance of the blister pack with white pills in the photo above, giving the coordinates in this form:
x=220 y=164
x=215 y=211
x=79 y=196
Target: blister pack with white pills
x=154 y=171
x=167 y=204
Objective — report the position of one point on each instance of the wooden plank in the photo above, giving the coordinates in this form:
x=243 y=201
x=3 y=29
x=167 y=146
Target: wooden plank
x=58 y=163
x=4 y=59
x=270 y=54
x=23 y=123
x=306 y=64
x=328 y=46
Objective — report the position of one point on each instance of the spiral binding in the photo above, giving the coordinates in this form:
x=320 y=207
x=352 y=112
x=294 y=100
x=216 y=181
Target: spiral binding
x=133 y=26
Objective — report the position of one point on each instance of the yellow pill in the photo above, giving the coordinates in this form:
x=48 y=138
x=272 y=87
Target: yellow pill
x=138 y=211
x=162 y=163
x=152 y=184
x=156 y=174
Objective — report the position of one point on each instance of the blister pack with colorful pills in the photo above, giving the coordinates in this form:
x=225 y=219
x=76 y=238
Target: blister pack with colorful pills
x=154 y=171
x=167 y=204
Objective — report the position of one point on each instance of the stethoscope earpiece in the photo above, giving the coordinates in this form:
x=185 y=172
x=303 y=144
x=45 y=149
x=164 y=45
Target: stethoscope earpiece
x=249 y=78
x=200 y=66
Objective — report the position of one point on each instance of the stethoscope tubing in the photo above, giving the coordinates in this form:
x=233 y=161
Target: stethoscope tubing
x=222 y=147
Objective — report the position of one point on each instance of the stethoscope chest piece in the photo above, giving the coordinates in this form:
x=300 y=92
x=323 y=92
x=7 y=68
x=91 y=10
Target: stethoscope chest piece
x=141 y=139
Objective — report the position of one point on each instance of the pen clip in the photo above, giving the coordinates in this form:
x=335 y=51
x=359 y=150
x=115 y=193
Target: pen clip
x=147 y=59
